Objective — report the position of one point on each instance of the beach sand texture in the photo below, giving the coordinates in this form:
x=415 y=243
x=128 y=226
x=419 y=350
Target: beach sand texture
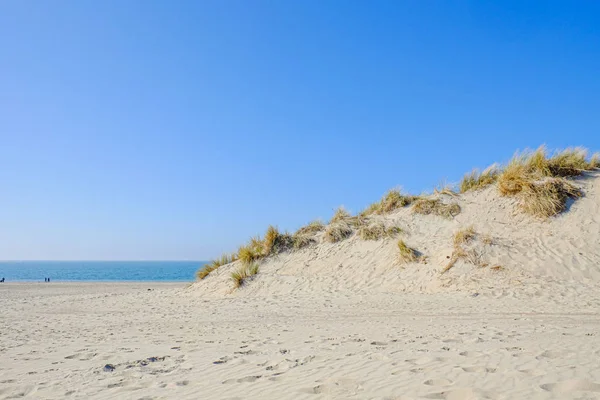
x=336 y=320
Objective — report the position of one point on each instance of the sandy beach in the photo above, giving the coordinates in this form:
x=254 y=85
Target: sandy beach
x=62 y=340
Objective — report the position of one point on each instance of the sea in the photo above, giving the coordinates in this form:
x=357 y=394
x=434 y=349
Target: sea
x=141 y=271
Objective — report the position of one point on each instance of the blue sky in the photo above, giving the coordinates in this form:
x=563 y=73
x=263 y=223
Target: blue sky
x=175 y=130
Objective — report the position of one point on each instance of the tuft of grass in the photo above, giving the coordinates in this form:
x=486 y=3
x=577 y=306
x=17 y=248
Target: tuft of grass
x=595 y=161
x=245 y=272
x=393 y=200
x=461 y=241
x=476 y=180
x=371 y=209
x=446 y=189
x=464 y=236
x=547 y=198
x=311 y=228
x=436 y=207
x=215 y=264
x=406 y=253
x=341 y=214
x=338 y=231
x=539 y=181
x=377 y=231
x=390 y=202
x=276 y=242
x=302 y=240
x=253 y=251
x=569 y=162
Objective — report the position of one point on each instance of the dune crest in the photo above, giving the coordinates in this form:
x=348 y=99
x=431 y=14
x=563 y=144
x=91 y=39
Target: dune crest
x=532 y=224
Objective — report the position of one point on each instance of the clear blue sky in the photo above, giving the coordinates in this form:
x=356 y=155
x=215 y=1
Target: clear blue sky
x=176 y=130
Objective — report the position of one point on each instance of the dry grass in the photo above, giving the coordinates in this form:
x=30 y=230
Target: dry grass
x=311 y=228
x=436 y=207
x=245 y=272
x=215 y=264
x=276 y=242
x=303 y=240
x=446 y=189
x=341 y=214
x=463 y=236
x=337 y=231
x=390 y=202
x=253 y=251
x=540 y=182
x=407 y=254
x=595 y=161
x=547 y=198
x=377 y=231
x=462 y=241
x=476 y=180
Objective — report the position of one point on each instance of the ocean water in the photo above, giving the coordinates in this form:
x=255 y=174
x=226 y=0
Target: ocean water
x=99 y=270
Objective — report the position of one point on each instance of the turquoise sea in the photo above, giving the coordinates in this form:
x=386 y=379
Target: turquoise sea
x=36 y=271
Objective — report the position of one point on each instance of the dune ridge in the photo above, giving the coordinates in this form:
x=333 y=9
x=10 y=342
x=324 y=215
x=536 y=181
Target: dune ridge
x=512 y=244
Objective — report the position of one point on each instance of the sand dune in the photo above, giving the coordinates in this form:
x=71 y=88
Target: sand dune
x=517 y=318
x=514 y=252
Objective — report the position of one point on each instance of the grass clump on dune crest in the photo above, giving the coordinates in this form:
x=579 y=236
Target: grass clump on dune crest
x=547 y=198
x=337 y=231
x=215 y=264
x=390 y=202
x=311 y=228
x=276 y=242
x=301 y=241
x=407 y=254
x=476 y=180
x=341 y=214
x=377 y=231
x=539 y=181
x=595 y=161
x=245 y=272
x=436 y=207
x=305 y=235
x=253 y=251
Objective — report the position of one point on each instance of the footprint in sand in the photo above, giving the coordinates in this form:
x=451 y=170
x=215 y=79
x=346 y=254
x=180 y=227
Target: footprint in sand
x=438 y=382
x=478 y=368
x=571 y=385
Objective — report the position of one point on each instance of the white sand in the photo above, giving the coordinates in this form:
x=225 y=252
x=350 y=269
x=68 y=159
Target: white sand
x=57 y=338
x=335 y=321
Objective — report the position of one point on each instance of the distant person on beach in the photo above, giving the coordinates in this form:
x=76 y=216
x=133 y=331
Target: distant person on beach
x=2 y=280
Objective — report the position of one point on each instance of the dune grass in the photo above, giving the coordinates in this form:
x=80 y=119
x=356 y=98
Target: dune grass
x=540 y=182
x=340 y=215
x=406 y=254
x=595 y=161
x=337 y=231
x=436 y=207
x=462 y=240
x=476 y=180
x=215 y=264
x=245 y=272
x=376 y=231
x=311 y=228
x=303 y=240
x=463 y=236
x=275 y=242
x=390 y=202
